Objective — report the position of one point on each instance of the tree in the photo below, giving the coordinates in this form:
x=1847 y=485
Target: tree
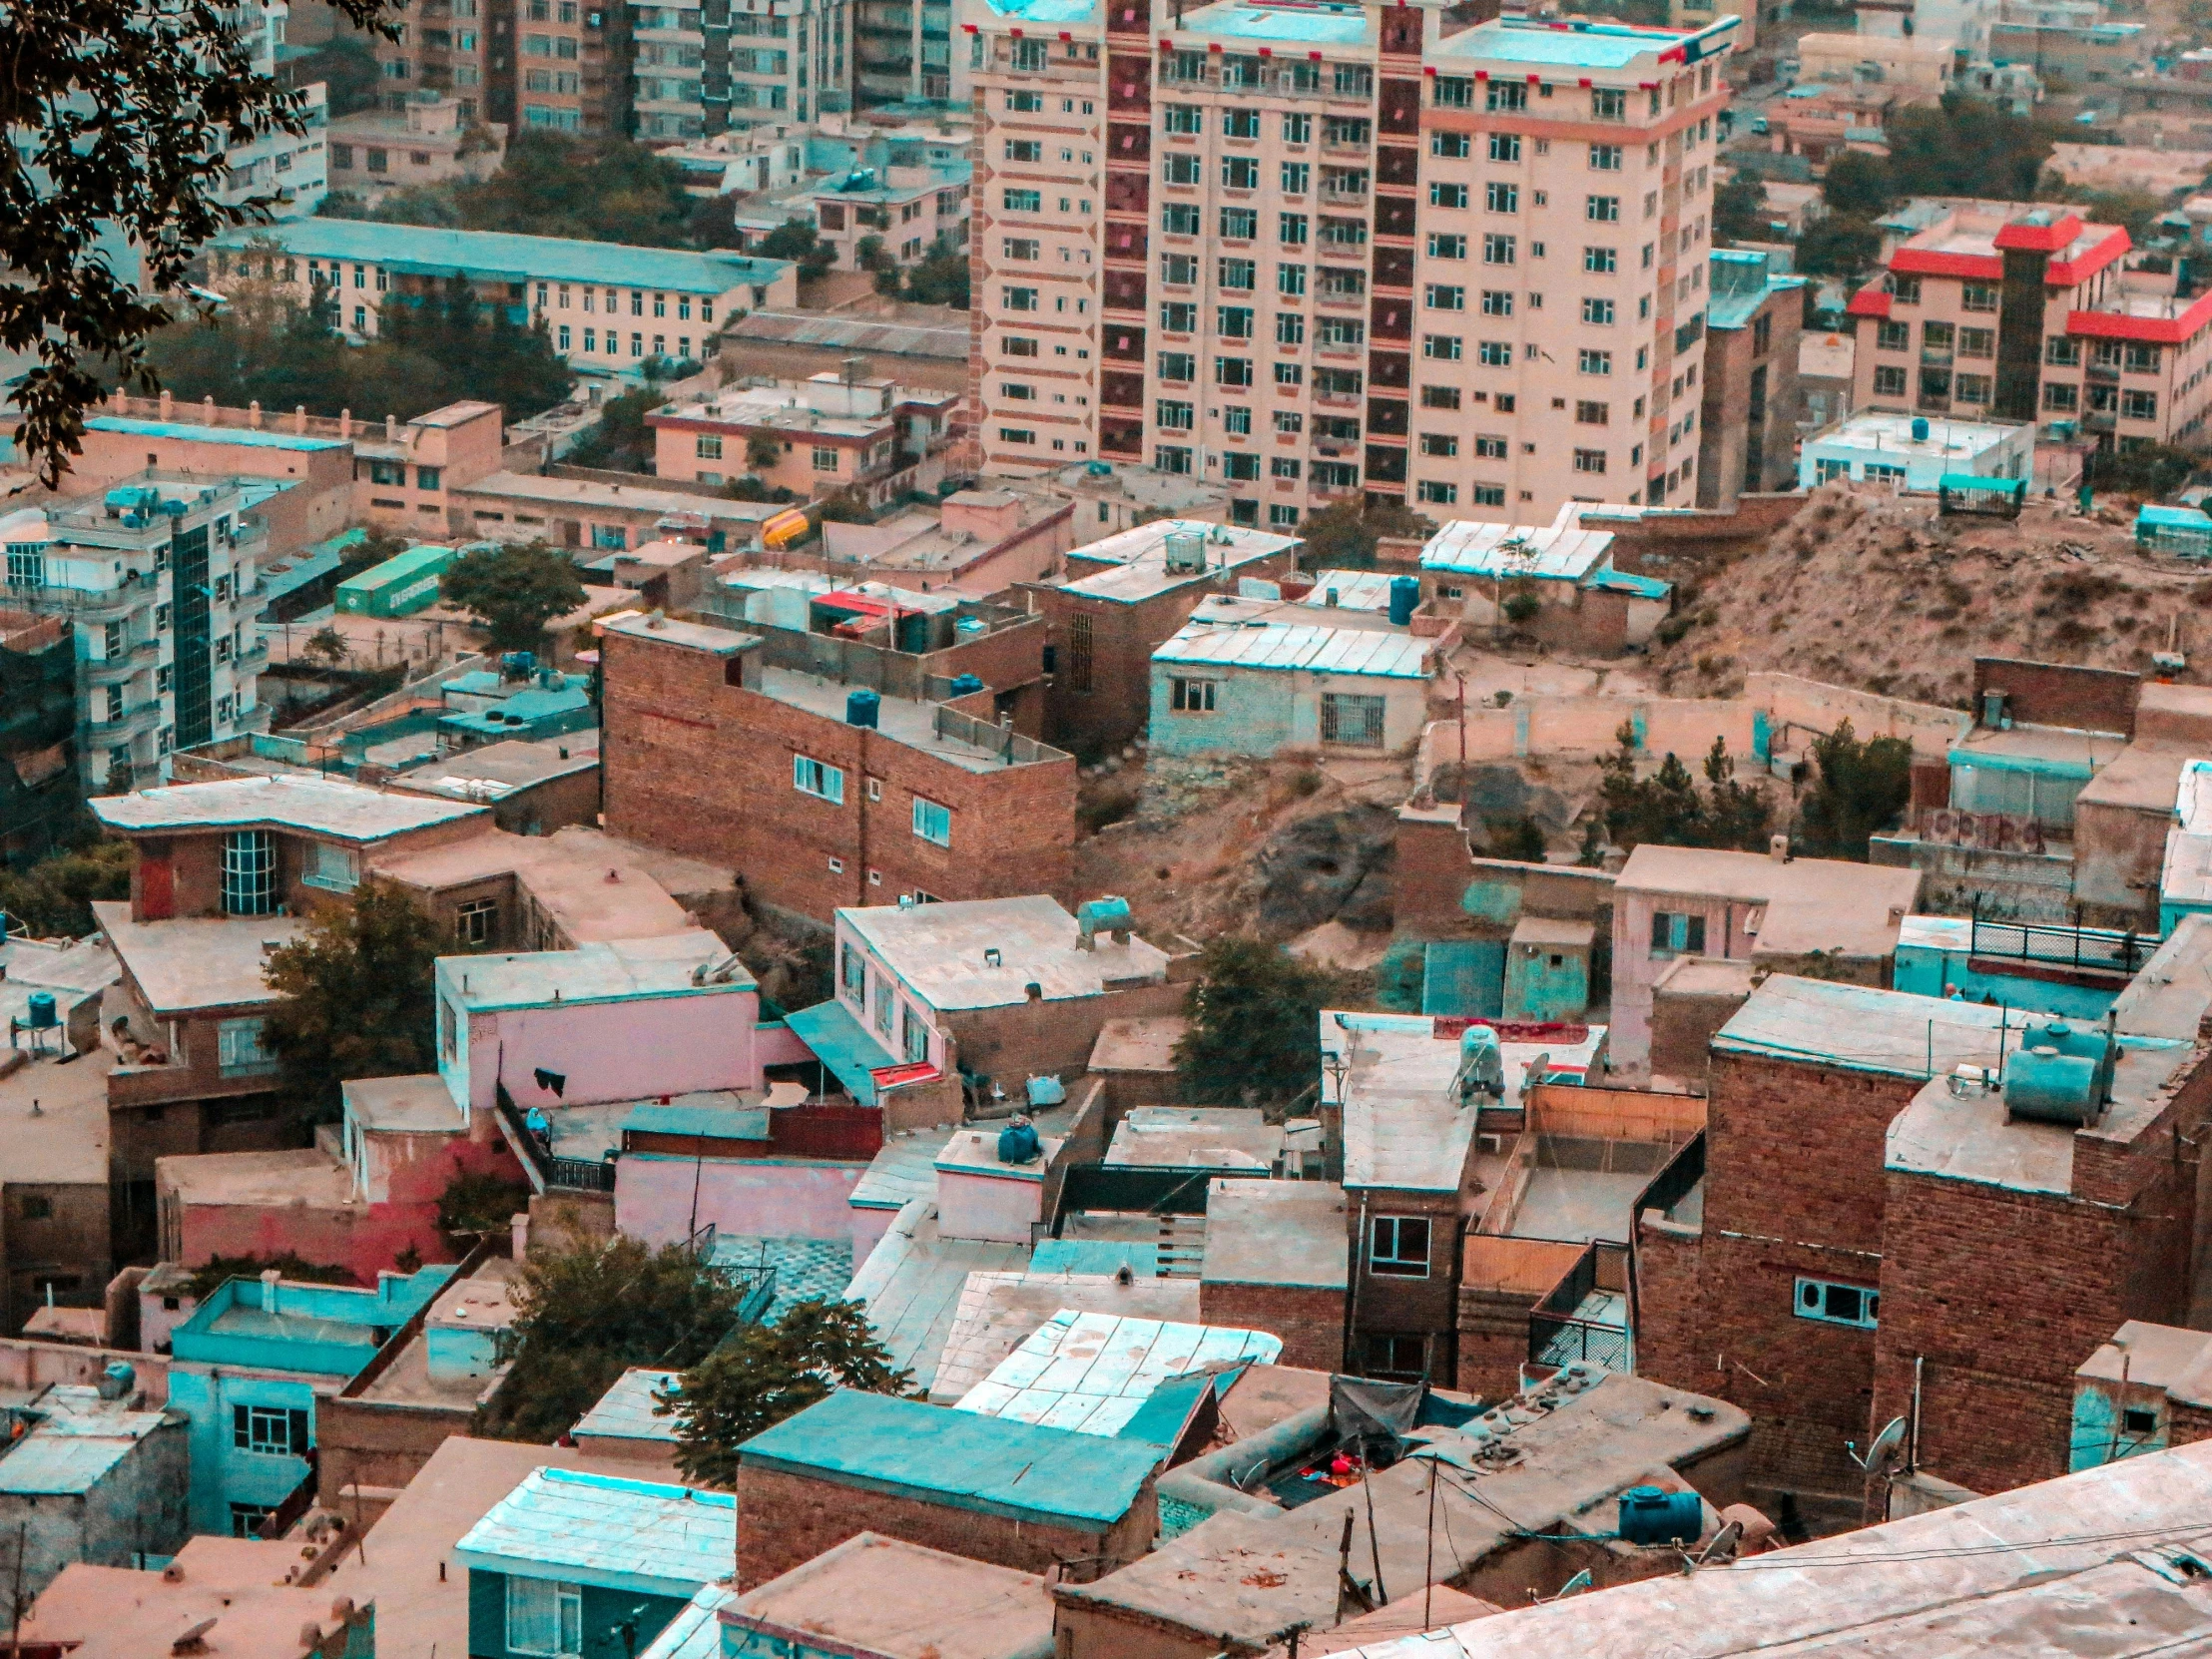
x=1858 y=186
x=327 y=646
x=767 y=1372
x=623 y=443
x=2153 y=471
x=1967 y=145
x=941 y=279
x=597 y=188
x=2135 y=210
x=54 y=897
x=1343 y=536
x=345 y=64
x=797 y=238
x=1518 y=839
x=1838 y=246
x=590 y=1308
x=358 y=1000
x=514 y=591
x=762 y=450
x=1254 y=1036
x=119 y=117
x=847 y=506
x=1740 y=210
x=1667 y=807
x=476 y=1204
x=1861 y=789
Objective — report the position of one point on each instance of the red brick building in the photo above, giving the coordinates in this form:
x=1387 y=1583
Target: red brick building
x=711 y=751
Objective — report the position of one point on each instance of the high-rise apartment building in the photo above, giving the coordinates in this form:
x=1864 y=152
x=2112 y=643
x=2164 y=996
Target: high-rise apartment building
x=729 y=65
x=551 y=65
x=904 y=52
x=291 y=174
x=1325 y=250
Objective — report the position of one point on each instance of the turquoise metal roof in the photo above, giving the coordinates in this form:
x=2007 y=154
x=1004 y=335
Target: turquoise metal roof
x=1315 y=25
x=1298 y=647
x=244 y=437
x=842 y=1043
x=726 y=1123
x=636 y=1535
x=1577 y=45
x=1096 y=1256
x=1047 y=11
x=490 y=255
x=1628 y=581
x=2173 y=518
x=994 y=1466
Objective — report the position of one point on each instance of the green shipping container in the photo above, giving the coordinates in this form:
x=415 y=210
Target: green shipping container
x=400 y=586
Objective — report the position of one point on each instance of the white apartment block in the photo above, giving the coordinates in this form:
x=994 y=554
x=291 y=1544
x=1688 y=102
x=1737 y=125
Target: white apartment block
x=1314 y=250
x=157 y=578
x=729 y=65
x=291 y=174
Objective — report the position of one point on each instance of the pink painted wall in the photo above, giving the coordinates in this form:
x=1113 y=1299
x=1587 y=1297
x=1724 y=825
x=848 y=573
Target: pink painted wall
x=775 y=1044
x=1635 y=969
x=988 y=1207
x=776 y=1199
x=868 y=1228
x=617 y=1050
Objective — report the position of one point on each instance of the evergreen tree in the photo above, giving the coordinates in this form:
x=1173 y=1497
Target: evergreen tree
x=358 y=1000
x=1861 y=789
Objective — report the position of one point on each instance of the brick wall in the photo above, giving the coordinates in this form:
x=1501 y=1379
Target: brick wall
x=1670 y=1304
x=703 y=768
x=1308 y=1319
x=787 y=1519
x=195 y=867
x=2059 y=694
x=367 y=1443
x=1034 y=1039
x=1493 y=1342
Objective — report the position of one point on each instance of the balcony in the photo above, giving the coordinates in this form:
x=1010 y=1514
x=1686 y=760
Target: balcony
x=1934 y=356
x=105 y=671
x=133 y=723
x=2102 y=375
x=1344 y=195
x=2099 y=420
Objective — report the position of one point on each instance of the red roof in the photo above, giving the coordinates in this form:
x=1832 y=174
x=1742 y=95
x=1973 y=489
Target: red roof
x=1869 y=301
x=1926 y=261
x=2040 y=239
x=2066 y=273
x=2152 y=330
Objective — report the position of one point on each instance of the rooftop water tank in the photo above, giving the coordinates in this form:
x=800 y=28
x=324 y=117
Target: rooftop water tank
x=862 y=708
x=1018 y=1143
x=1920 y=428
x=1653 y=1516
x=964 y=683
x=1183 y=552
x=40 y=1014
x=1481 y=1065
x=2061 y=1073
x=1404 y=595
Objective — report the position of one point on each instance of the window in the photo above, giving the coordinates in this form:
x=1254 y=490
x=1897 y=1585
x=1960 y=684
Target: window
x=1294 y=375
x=708 y=450
x=1241 y=468
x=810 y=777
x=1026 y=103
x=1180 y=168
x=1025 y=149
x=1589 y=460
x=544 y=1616
x=1298 y=178
x=1235 y=420
x=1232 y=371
x=932 y=822
x=1190 y=696
x=1587 y=413
x=1972 y=296
x=1832 y=1304
x=2062 y=351
x=1454 y=92
x=1442 y=194
x=1602 y=209
x=1450 y=146
x=1973 y=388
x=1497 y=250
x=913 y=1034
x=1605 y=157
x=2056 y=396
x=1443 y=494
x=1019 y=248
x=26 y=564
x=826 y=458
x=1174 y=416
x=1601 y=312
x=337 y=868
x=2142 y=359
x=1178 y=365
x=1892 y=337
x=1181 y=118
x=1179 y=219
x=1351 y=720
x=239 y=1047
x=1233 y=321
x=1601 y=261
x=1291 y=230
x=1445 y=297
x=1609 y=103
x=249 y=873
x=1594 y=362
x=2139 y=405
x=476 y=921
x=271 y=1431
x=1238 y=225
x=1889 y=380
x=247 y=1519
x=1505 y=94
x=1398 y=1246
x=1015 y=300
x=1240 y=173
x=1675 y=934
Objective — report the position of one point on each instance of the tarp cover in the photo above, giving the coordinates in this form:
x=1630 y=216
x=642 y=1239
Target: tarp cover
x=1364 y=1410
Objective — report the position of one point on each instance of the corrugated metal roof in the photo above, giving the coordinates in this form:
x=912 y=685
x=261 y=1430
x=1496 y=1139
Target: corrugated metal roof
x=696 y=1632
x=244 y=437
x=1565 y=46
x=1301 y=648
x=995 y=1465
x=1542 y=551
x=626 y=1410
x=431 y=250
x=1092 y=1373
x=851 y=333
x=616 y=1534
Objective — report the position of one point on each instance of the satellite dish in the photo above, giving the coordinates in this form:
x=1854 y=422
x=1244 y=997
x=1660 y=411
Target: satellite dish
x=1724 y=1544
x=191 y=1641
x=1882 y=1456
x=1580 y=1581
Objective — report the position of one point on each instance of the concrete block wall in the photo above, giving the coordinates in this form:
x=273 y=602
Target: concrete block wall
x=1308 y=1319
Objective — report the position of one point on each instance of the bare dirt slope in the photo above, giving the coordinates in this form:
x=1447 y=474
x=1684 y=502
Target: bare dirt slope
x=1869 y=590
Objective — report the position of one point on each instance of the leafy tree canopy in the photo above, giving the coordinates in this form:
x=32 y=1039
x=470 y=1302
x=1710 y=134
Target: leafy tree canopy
x=1740 y=210
x=1669 y=808
x=1858 y=186
x=797 y=238
x=1860 y=789
x=623 y=443
x=1254 y=1037
x=514 y=591
x=119 y=117
x=1838 y=246
x=53 y=897
x=357 y=996
x=941 y=279
x=2154 y=470
x=588 y=1310
x=1967 y=145
x=765 y=1374
x=1343 y=536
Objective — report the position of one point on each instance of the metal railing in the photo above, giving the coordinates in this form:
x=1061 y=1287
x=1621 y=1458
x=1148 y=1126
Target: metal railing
x=2061 y=944
x=548 y=1172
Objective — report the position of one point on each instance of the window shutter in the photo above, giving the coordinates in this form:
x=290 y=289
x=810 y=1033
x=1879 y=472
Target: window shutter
x=298 y=1433
x=242 y=1434
x=1659 y=920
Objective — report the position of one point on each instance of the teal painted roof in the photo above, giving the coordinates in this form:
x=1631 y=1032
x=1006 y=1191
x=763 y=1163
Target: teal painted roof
x=242 y=437
x=1047 y=11
x=1628 y=581
x=1096 y=1256
x=636 y=1536
x=1579 y=46
x=994 y=1465
x=2172 y=518
x=1316 y=25
x=726 y=1123
x=490 y=255
x=842 y=1043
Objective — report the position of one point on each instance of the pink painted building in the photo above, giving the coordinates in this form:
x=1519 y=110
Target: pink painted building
x=1787 y=914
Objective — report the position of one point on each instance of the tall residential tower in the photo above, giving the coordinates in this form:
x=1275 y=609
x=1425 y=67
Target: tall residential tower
x=1323 y=250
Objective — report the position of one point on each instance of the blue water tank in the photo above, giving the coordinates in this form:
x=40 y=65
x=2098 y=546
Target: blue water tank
x=862 y=708
x=517 y=665
x=1920 y=428
x=1404 y=595
x=41 y=1015
x=1018 y=1144
x=964 y=683
x=1653 y=1516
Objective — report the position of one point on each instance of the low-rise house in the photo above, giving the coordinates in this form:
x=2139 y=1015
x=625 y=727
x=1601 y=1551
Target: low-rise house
x=582 y=507
x=819 y=436
x=91 y=1474
x=877 y=1597
x=1245 y=677
x=1278 y=1258
x=374 y=152
x=534 y=787
x=1111 y=1374
x=1476 y=572
x=249 y=1368
x=586 y=1564
x=821 y=793
x=1079 y=1313
x=239 y=1585
x=989 y=1488
x=1772 y=910
x=977 y=541
x=1124 y=596
x=1913 y=452
x=628 y=1422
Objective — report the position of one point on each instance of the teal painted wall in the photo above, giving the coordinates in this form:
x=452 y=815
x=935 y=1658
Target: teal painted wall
x=604 y=1612
x=1493 y=901
x=1545 y=984
x=1464 y=977
x=1925 y=970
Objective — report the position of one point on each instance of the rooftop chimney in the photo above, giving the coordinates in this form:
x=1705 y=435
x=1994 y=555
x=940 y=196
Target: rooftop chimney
x=269 y=1278
x=1778 y=848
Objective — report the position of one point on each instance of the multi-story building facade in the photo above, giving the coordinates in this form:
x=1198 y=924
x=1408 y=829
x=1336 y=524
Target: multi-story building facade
x=2029 y=313
x=902 y=53
x=731 y=65
x=550 y=65
x=156 y=579
x=1353 y=250
x=816 y=436
x=287 y=173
